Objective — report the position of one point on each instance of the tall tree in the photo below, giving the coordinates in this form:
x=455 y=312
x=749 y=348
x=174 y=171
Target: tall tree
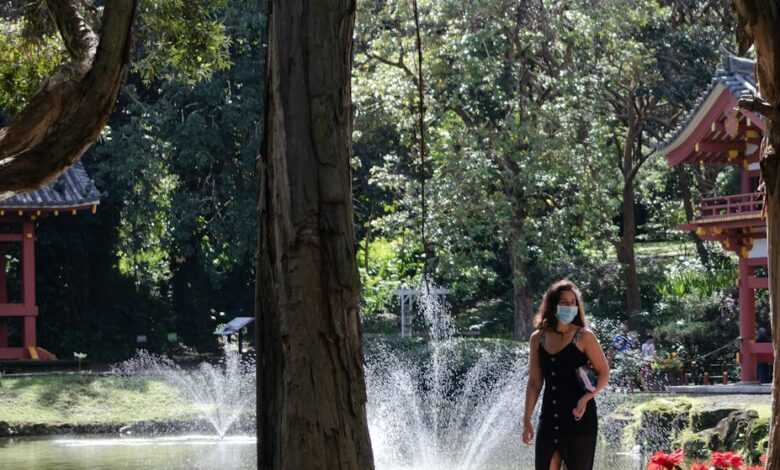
x=66 y=116
x=651 y=63
x=311 y=387
x=759 y=25
x=502 y=142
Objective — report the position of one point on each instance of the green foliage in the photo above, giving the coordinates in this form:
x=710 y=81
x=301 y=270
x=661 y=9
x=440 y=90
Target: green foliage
x=692 y=279
x=387 y=271
x=522 y=180
x=176 y=40
x=693 y=326
x=171 y=246
x=183 y=41
x=181 y=163
x=23 y=64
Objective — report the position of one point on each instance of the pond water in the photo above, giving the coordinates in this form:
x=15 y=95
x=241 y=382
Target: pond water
x=110 y=453
x=179 y=453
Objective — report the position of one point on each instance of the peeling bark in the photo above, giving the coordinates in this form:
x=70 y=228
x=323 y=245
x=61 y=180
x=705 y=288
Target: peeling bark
x=312 y=398
x=66 y=116
x=759 y=24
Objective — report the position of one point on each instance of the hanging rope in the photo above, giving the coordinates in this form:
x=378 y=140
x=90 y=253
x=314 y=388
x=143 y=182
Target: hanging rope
x=421 y=143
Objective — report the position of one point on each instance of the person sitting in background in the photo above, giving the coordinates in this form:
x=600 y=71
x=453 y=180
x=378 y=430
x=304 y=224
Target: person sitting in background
x=623 y=342
x=648 y=357
x=648 y=350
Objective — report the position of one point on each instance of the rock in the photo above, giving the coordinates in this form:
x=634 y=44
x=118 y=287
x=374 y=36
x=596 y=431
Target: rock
x=6 y=430
x=695 y=445
x=661 y=423
x=757 y=442
x=614 y=426
x=732 y=432
x=709 y=417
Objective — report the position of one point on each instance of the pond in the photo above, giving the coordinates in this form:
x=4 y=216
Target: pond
x=110 y=453
x=178 y=453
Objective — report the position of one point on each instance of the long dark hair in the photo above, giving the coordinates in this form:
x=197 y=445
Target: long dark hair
x=546 y=317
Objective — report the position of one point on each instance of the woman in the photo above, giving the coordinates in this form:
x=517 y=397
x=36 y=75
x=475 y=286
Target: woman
x=561 y=344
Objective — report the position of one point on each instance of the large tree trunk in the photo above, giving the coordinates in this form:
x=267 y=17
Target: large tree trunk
x=760 y=24
x=312 y=398
x=66 y=116
x=523 y=313
x=685 y=190
x=625 y=252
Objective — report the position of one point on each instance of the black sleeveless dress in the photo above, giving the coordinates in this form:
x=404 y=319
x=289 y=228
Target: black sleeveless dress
x=558 y=430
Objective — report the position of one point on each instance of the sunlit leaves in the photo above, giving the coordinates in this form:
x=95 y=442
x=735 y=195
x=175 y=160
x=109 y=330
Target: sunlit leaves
x=181 y=40
x=23 y=64
x=176 y=40
x=180 y=162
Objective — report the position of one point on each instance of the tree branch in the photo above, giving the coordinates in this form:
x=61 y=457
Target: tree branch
x=756 y=105
x=66 y=116
x=399 y=63
x=80 y=39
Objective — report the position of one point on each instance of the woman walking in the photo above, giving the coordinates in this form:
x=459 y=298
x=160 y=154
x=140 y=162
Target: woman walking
x=560 y=350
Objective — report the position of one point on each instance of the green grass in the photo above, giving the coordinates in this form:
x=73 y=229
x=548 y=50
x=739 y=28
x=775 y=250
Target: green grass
x=665 y=249
x=641 y=402
x=75 y=400
x=660 y=249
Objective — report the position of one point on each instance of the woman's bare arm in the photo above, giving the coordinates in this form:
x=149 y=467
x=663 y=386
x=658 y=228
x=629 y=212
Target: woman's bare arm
x=535 y=377
x=595 y=354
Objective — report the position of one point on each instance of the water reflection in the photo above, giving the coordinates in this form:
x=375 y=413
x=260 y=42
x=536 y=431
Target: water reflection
x=104 y=453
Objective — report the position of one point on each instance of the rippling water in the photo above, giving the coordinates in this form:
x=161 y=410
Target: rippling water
x=110 y=453
x=179 y=453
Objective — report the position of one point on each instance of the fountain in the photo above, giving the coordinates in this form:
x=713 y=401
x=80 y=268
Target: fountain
x=453 y=404
x=222 y=393
x=460 y=408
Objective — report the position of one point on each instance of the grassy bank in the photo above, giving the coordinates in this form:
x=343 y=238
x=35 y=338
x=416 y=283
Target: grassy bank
x=762 y=404
x=87 y=399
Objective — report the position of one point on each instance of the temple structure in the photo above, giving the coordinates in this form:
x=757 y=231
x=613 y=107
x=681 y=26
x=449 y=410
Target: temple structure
x=71 y=193
x=716 y=133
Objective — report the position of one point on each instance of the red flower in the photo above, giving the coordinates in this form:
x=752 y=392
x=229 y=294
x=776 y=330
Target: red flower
x=660 y=460
x=699 y=466
x=756 y=467
x=726 y=460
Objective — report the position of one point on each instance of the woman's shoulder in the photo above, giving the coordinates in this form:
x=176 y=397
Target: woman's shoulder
x=585 y=333
x=537 y=335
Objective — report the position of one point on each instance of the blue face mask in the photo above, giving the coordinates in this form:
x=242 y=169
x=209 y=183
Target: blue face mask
x=566 y=313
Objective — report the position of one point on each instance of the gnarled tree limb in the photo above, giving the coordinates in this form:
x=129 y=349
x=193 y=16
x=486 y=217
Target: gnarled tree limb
x=67 y=114
x=756 y=105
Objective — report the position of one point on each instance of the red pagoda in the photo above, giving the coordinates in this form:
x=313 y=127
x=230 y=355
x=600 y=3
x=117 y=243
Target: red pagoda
x=72 y=192
x=716 y=133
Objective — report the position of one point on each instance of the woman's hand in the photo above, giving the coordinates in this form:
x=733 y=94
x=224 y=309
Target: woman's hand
x=582 y=405
x=528 y=432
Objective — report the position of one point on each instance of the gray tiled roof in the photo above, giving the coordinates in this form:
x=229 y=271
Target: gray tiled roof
x=74 y=188
x=736 y=74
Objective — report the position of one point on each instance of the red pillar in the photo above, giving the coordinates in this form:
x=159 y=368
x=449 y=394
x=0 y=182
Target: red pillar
x=744 y=182
x=28 y=276
x=3 y=300
x=747 y=323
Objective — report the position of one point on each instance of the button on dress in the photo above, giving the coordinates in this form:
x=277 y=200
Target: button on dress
x=558 y=430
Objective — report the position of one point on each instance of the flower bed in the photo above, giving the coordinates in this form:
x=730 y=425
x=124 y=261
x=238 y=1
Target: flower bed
x=718 y=460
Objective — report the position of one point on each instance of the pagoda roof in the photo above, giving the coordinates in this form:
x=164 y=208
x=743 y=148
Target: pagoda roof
x=73 y=189
x=714 y=131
